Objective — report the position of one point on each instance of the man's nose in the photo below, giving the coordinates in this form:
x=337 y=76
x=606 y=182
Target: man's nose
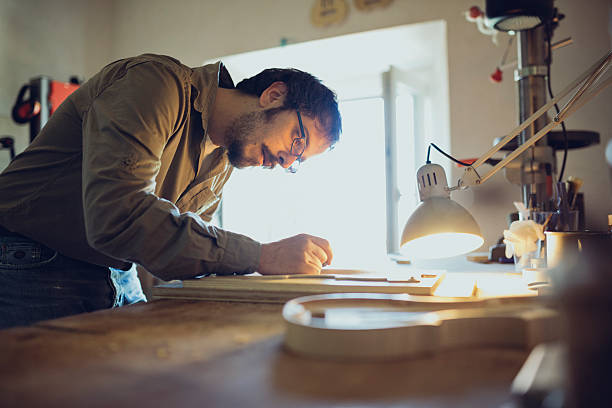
x=285 y=160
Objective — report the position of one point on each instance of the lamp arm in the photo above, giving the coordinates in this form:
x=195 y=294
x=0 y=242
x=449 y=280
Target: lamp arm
x=471 y=177
x=596 y=74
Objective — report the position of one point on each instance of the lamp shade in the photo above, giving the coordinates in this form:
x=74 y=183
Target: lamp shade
x=438 y=227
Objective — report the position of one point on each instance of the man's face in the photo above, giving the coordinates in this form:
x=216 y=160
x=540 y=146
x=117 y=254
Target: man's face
x=254 y=139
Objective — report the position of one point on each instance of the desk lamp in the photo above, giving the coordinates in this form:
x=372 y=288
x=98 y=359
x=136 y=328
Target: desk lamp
x=439 y=227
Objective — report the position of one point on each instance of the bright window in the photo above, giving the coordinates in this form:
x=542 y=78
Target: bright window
x=392 y=87
x=339 y=195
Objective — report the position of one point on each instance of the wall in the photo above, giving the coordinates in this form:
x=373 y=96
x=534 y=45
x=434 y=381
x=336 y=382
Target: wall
x=38 y=37
x=480 y=110
x=196 y=30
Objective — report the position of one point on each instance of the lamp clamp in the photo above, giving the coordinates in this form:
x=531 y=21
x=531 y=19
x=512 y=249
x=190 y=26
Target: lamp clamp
x=470 y=178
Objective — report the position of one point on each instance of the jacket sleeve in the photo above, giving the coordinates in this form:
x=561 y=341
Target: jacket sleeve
x=125 y=130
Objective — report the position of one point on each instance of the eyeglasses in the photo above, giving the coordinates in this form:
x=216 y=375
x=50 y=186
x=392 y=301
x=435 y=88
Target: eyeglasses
x=297 y=146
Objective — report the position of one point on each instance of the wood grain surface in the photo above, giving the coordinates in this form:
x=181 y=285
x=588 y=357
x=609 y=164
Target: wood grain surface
x=178 y=353
x=281 y=288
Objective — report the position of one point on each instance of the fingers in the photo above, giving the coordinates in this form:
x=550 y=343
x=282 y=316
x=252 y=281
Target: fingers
x=319 y=254
x=313 y=266
x=325 y=247
x=301 y=254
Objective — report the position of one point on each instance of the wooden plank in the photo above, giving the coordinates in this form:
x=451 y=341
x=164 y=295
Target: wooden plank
x=279 y=289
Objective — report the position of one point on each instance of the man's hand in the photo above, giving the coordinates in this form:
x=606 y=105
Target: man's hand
x=300 y=254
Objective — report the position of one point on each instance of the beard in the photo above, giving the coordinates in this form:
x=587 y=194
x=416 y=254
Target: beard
x=239 y=135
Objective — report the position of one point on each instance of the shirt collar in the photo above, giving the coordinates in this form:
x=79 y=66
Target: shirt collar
x=206 y=79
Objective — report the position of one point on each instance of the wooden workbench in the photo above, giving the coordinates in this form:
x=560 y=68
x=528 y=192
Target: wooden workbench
x=182 y=353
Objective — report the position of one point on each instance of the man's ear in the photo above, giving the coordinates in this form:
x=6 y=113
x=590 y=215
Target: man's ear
x=273 y=96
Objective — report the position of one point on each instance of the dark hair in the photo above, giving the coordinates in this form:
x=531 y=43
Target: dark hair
x=304 y=92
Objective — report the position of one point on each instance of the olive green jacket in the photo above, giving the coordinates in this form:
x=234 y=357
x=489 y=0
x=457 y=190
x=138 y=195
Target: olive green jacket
x=124 y=172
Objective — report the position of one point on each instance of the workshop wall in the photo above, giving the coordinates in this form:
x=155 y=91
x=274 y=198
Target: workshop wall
x=55 y=38
x=195 y=30
x=77 y=37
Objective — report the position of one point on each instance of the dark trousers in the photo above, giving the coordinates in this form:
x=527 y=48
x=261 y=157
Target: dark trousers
x=37 y=283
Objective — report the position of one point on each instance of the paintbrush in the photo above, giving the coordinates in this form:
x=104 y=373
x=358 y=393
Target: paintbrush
x=574 y=185
x=547 y=221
